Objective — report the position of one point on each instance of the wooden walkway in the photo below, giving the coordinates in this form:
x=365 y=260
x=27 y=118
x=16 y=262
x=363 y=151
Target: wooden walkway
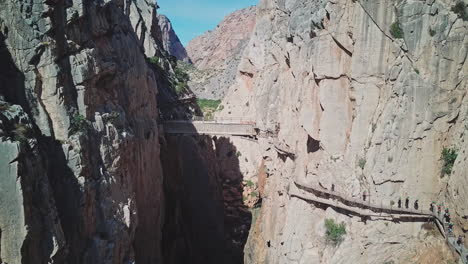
x=317 y=194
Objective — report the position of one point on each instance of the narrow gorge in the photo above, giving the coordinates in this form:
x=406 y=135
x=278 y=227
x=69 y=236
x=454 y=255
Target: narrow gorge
x=296 y=131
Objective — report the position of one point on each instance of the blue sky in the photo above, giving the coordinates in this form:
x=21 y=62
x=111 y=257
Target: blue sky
x=192 y=18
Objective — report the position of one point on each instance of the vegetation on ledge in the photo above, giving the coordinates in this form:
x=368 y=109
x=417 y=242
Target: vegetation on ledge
x=209 y=107
x=334 y=232
x=22 y=133
x=396 y=31
x=181 y=80
x=78 y=123
x=449 y=156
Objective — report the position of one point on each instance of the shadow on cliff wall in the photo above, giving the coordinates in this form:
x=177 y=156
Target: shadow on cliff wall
x=39 y=243
x=11 y=79
x=205 y=219
x=237 y=216
x=51 y=192
x=39 y=167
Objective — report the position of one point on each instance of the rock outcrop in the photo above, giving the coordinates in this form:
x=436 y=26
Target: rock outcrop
x=216 y=54
x=80 y=172
x=170 y=40
x=366 y=95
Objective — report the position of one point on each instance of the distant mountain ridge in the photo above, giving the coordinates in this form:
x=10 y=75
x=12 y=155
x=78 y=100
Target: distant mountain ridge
x=170 y=40
x=217 y=53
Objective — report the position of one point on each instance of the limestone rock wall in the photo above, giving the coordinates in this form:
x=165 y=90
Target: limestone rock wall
x=80 y=169
x=171 y=42
x=217 y=53
x=359 y=108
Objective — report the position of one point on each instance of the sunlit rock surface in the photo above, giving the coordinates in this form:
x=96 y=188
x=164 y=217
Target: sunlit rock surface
x=217 y=53
x=380 y=110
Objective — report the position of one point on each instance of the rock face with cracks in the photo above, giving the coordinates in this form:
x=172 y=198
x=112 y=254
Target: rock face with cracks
x=361 y=109
x=80 y=173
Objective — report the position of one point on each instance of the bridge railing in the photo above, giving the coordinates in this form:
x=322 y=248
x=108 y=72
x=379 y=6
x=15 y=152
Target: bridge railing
x=242 y=121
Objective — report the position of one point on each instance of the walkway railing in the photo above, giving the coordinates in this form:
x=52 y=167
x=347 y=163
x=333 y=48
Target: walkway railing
x=218 y=127
x=369 y=209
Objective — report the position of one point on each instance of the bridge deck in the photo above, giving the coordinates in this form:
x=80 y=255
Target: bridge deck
x=210 y=128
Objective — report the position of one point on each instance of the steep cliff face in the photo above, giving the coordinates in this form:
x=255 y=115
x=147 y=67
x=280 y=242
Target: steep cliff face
x=81 y=178
x=366 y=94
x=171 y=42
x=216 y=54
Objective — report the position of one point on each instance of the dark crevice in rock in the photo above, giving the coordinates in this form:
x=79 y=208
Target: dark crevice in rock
x=317 y=81
x=348 y=52
x=313 y=145
x=287 y=61
x=69 y=199
x=250 y=75
x=39 y=242
x=11 y=79
x=454 y=120
x=391 y=181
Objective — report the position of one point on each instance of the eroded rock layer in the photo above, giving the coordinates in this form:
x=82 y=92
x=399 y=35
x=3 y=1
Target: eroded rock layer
x=364 y=95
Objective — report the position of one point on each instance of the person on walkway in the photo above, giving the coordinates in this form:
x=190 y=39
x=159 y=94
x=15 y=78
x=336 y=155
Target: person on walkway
x=364 y=196
x=447 y=217
x=407 y=202
x=459 y=240
x=416 y=204
x=432 y=206
x=333 y=187
x=439 y=209
x=450 y=228
x=399 y=202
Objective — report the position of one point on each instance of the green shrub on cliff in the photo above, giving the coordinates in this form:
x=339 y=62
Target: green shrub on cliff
x=460 y=9
x=362 y=163
x=249 y=183
x=154 y=60
x=21 y=133
x=181 y=75
x=208 y=107
x=334 y=232
x=78 y=123
x=449 y=156
x=396 y=31
x=181 y=79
